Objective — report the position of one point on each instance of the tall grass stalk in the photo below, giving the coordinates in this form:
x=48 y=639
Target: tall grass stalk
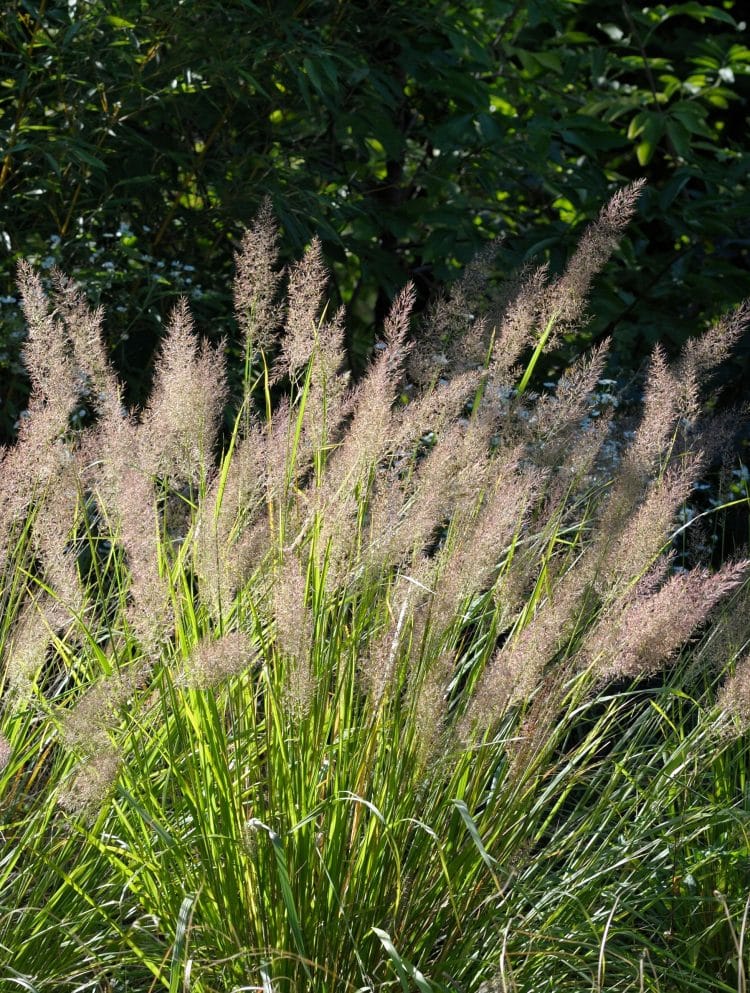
x=397 y=687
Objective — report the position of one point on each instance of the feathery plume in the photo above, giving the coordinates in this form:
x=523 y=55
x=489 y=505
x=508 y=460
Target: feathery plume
x=468 y=563
x=226 y=512
x=430 y=707
x=256 y=282
x=149 y=612
x=378 y=664
x=702 y=354
x=627 y=552
x=651 y=445
x=52 y=524
x=307 y=283
x=32 y=634
x=407 y=507
x=179 y=426
x=566 y=296
x=86 y=727
x=368 y=437
x=730 y=634
x=434 y=410
x=537 y=725
x=84 y=330
x=369 y=433
x=581 y=468
x=518 y=666
x=660 y=413
x=643 y=630
x=299 y=685
x=46 y=354
x=453 y=336
x=715 y=434
x=6 y=752
x=291 y=612
x=92 y=782
x=734 y=697
x=35 y=458
x=294 y=629
x=517 y=322
x=214 y=660
x=329 y=399
x=556 y=424
x=495 y=692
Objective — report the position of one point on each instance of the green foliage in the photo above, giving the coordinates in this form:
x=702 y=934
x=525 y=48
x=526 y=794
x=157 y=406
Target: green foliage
x=393 y=694
x=133 y=136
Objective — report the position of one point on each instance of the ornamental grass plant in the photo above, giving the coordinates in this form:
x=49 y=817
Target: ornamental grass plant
x=394 y=684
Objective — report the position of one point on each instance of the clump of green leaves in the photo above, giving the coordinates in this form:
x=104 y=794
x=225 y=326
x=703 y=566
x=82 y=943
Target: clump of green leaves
x=362 y=698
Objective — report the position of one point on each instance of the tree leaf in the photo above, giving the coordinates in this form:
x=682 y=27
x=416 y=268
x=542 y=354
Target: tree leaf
x=650 y=136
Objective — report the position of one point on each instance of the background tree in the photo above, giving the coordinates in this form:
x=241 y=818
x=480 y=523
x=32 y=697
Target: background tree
x=136 y=138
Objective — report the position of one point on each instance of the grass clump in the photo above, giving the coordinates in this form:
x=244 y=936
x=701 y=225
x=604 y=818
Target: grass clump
x=369 y=701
